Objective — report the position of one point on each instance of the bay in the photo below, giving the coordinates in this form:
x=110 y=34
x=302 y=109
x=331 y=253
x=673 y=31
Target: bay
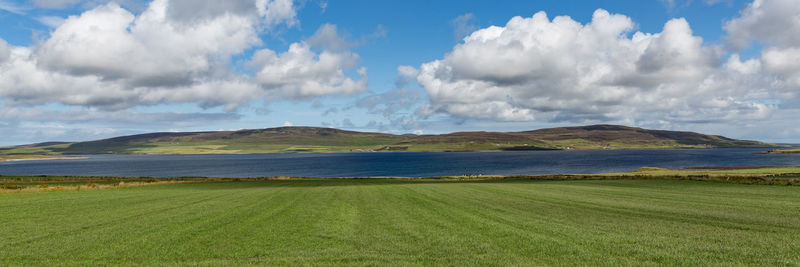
x=404 y=164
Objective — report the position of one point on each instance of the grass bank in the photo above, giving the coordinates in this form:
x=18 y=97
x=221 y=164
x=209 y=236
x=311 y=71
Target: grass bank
x=32 y=157
x=743 y=175
x=785 y=151
x=406 y=222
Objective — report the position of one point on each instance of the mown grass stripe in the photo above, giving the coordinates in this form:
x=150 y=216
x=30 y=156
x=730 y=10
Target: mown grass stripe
x=405 y=222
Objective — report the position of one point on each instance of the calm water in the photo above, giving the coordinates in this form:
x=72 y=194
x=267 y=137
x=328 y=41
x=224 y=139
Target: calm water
x=395 y=164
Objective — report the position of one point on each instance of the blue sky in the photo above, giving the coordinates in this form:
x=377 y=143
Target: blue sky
x=396 y=66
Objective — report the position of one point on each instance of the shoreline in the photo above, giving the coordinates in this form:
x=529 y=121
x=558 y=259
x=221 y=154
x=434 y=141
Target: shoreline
x=783 y=151
x=65 y=156
x=47 y=158
x=743 y=175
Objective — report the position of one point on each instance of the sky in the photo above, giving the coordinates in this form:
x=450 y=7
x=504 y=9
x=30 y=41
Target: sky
x=73 y=70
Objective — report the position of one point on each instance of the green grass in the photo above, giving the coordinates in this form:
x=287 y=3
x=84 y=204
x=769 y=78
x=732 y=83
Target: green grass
x=406 y=222
x=786 y=151
x=714 y=171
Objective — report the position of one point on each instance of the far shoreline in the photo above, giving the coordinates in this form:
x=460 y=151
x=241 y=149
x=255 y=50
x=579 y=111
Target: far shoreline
x=67 y=156
x=12 y=159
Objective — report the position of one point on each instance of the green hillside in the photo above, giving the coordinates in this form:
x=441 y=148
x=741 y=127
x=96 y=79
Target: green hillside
x=312 y=139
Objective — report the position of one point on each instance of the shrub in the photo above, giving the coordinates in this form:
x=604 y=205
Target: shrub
x=10 y=186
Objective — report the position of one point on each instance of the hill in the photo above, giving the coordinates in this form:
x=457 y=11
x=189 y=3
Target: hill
x=313 y=139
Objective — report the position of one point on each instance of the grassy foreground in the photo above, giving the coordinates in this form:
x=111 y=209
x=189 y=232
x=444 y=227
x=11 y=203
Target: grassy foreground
x=406 y=222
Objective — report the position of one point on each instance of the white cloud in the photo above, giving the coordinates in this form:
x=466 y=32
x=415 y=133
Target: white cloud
x=175 y=51
x=560 y=70
x=277 y=12
x=24 y=83
x=5 y=53
x=327 y=37
x=287 y=124
x=13 y=7
x=155 y=50
x=776 y=25
x=774 y=22
x=301 y=73
x=784 y=62
x=108 y=57
x=51 y=21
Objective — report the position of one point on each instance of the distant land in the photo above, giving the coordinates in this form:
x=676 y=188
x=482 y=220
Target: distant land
x=320 y=140
x=785 y=151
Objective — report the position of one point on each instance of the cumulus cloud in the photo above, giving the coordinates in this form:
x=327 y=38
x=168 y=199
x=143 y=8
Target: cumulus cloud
x=300 y=73
x=328 y=37
x=277 y=12
x=155 y=51
x=175 y=51
x=5 y=53
x=776 y=25
x=24 y=83
x=774 y=22
x=535 y=68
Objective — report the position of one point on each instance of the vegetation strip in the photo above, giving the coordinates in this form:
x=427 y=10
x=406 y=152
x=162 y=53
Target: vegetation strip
x=34 y=157
x=785 y=151
x=745 y=175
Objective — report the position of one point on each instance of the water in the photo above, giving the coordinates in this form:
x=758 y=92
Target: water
x=395 y=164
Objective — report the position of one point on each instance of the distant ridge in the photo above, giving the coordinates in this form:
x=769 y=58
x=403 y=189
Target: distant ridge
x=315 y=139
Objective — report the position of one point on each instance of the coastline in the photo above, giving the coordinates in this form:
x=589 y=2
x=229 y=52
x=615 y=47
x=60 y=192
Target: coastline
x=42 y=158
x=764 y=175
x=64 y=156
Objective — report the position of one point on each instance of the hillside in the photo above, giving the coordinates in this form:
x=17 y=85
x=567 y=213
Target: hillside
x=313 y=139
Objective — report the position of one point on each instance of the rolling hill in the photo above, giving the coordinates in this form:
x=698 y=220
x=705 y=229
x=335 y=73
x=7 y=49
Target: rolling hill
x=313 y=139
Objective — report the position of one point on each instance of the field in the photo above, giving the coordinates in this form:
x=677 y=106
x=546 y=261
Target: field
x=786 y=151
x=406 y=222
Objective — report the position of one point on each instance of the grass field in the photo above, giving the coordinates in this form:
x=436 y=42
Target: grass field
x=786 y=151
x=406 y=222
